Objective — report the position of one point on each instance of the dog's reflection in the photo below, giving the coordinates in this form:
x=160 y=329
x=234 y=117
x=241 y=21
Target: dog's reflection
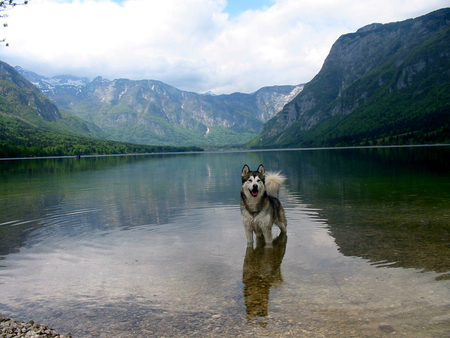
x=262 y=270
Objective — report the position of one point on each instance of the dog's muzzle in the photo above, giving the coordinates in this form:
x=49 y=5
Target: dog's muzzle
x=254 y=191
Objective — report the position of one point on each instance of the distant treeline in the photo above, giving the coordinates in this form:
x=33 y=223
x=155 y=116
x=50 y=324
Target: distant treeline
x=433 y=128
x=27 y=141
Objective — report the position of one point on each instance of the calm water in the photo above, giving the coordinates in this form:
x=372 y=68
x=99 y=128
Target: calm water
x=153 y=246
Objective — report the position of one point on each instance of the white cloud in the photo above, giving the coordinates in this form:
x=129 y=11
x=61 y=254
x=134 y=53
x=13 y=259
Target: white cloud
x=191 y=44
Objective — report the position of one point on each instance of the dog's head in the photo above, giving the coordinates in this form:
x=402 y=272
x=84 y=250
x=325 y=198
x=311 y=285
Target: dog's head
x=253 y=181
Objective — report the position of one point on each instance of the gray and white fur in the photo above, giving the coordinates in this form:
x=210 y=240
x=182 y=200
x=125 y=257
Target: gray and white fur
x=260 y=207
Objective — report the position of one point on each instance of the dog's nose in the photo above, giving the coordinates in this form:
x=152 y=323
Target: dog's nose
x=255 y=186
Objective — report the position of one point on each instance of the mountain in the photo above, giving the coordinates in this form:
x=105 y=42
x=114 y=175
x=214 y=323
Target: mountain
x=383 y=84
x=55 y=86
x=22 y=102
x=32 y=125
x=150 y=112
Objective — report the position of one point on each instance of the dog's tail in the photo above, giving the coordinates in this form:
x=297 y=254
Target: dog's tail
x=273 y=183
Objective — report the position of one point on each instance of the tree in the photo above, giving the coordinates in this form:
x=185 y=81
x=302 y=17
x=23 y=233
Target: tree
x=6 y=6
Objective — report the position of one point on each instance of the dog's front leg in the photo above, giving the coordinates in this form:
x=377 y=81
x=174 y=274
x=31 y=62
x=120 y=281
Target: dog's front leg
x=248 y=229
x=249 y=234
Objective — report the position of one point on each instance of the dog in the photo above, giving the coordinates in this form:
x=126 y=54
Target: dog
x=260 y=207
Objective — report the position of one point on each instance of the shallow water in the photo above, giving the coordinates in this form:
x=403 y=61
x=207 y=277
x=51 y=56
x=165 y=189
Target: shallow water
x=153 y=246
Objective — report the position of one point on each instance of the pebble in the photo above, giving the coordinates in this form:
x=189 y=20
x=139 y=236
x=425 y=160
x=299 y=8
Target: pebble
x=10 y=328
x=386 y=328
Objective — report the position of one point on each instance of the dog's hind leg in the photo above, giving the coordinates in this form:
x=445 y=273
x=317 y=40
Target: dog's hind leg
x=282 y=227
x=281 y=221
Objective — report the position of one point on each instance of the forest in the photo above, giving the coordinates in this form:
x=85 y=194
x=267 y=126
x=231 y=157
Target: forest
x=18 y=139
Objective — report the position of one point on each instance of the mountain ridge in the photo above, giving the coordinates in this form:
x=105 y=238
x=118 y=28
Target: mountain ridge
x=150 y=111
x=20 y=100
x=32 y=125
x=366 y=75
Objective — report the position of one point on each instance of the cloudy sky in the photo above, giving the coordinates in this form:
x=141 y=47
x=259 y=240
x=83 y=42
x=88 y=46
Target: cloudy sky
x=196 y=45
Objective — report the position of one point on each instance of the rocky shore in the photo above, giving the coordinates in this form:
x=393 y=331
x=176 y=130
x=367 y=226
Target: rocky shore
x=10 y=328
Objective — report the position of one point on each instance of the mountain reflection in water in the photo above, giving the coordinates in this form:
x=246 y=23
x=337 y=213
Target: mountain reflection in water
x=390 y=206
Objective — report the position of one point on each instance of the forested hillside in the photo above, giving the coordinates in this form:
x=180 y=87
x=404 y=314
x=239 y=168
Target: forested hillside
x=32 y=125
x=19 y=139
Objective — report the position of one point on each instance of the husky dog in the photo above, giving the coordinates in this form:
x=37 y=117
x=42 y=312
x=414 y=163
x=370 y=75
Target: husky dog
x=260 y=207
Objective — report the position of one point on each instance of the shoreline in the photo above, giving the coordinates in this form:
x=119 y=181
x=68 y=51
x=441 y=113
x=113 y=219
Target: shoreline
x=227 y=151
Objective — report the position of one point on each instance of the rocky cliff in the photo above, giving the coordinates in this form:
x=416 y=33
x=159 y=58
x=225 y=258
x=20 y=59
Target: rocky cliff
x=380 y=82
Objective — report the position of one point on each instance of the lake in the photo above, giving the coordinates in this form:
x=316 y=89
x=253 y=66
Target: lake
x=153 y=245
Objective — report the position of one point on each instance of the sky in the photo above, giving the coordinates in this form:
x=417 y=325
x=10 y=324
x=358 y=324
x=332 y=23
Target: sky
x=194 y=45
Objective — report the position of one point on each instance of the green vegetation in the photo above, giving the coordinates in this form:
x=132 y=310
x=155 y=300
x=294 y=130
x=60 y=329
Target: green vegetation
x=123 y=122
x=32 y=125
x=391 y=120
x=18 y=139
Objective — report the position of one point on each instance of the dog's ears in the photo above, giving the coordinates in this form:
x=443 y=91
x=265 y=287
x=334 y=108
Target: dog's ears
x=245 y=170
x=261 y=169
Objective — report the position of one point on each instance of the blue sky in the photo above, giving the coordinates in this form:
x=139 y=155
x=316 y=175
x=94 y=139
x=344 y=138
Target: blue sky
x=194 y=45
x=236 y=7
